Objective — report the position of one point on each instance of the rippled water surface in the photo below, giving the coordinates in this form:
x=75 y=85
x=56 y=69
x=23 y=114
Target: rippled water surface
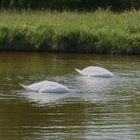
x=96 y=108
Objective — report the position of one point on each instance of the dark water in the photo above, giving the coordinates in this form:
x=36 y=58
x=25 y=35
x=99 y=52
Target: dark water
x=96 y=108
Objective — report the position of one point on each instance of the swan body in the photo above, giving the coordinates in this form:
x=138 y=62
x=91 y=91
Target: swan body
x=95 y=72
x=46 y=87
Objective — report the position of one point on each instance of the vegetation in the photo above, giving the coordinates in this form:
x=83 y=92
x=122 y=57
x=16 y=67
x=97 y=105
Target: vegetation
x=97 y=32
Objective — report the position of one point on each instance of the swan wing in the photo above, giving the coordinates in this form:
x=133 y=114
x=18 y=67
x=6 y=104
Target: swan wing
x=96 y=71
x=46 y=87
x=54 y=90
x=92 y=69
x=102 y=72
x=36 y=86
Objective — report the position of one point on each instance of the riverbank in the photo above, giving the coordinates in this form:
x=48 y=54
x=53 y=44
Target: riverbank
x=101 y=32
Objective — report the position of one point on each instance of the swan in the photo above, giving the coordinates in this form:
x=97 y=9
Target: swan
x=95 y=72
x=46 y=87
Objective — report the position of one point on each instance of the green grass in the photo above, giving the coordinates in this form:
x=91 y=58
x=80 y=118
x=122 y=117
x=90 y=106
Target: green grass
x=97 y=32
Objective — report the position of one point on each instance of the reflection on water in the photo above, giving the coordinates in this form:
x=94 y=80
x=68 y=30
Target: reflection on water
x=44 y=98
x=96 y=108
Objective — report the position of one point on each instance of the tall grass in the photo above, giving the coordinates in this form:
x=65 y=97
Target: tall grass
x=97 y=32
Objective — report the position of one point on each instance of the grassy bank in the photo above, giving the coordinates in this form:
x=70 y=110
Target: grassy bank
x=96 y=32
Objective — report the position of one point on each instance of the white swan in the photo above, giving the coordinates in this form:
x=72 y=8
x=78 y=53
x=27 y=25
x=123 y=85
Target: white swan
x=95 y=71
x=46 y=87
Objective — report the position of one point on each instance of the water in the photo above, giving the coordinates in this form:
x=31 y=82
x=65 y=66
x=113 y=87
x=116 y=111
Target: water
x=96 y=108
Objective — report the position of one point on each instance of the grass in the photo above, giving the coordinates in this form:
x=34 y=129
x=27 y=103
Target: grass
x=94 y=32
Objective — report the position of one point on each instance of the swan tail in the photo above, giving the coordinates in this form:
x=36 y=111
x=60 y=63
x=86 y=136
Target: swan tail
x=25 y=87
x=79 y=71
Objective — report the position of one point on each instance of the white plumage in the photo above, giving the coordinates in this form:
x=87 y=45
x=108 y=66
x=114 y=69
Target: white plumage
x=95 y=72
x=46 y=87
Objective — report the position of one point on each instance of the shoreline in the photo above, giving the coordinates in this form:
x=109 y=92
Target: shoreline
x=100 y=32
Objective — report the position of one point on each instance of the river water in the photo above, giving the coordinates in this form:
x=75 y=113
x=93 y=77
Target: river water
x=96 y=108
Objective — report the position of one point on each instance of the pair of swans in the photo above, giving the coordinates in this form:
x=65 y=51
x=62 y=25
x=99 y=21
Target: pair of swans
x=53 y=87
